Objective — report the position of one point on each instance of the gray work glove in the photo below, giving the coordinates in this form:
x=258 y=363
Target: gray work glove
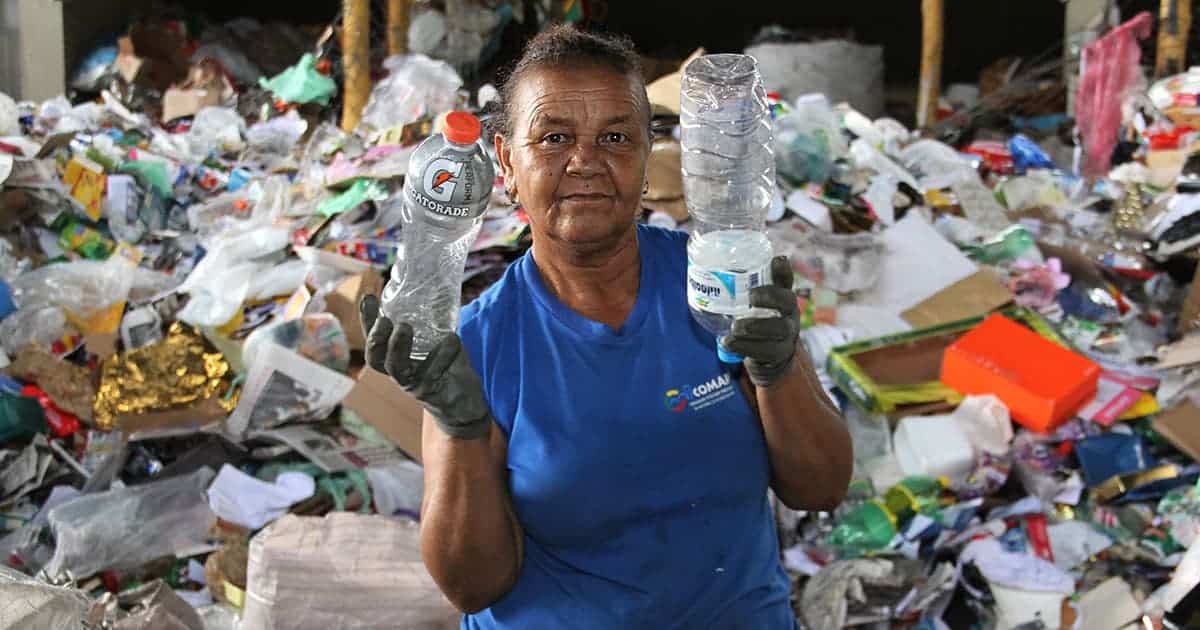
x=768 y=343
x=444 y=383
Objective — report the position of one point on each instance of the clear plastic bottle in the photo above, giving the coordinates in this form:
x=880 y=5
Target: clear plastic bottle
x=446 y=192
x=728 y=180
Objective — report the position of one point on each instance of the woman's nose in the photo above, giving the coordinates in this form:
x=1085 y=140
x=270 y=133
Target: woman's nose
x=584 y=160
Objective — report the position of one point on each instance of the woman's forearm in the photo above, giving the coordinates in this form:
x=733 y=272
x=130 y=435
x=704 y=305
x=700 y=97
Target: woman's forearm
x=470 y=540
x=808 y=444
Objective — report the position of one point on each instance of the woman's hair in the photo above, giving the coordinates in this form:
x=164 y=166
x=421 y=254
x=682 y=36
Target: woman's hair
x=563 y=46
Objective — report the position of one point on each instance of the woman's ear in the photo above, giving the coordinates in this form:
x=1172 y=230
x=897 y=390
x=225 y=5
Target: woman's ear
x=503 y=154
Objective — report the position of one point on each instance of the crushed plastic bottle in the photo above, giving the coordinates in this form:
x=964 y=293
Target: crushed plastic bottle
x=729 y=181
x=446 y=192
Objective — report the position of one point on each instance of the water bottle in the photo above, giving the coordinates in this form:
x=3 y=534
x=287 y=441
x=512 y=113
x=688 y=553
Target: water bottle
x=445 y=194
x=728 y=181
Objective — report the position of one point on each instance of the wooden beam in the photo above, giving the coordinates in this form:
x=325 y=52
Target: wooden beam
x=1174 y=25
x=398 y=12
x=933 y=25
x=356 y=60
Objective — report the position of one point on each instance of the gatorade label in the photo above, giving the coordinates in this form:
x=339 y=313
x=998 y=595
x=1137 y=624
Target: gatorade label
x=447 y=187
x=723 y=292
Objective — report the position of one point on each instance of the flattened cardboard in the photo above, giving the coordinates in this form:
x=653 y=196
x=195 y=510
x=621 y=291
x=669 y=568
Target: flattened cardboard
x=976 y=295
x=383 y=404
x=201 y=414
x=1181 y=426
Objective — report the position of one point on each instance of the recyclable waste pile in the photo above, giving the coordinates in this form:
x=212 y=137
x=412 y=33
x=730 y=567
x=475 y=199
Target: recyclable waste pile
x=183 y=245
x=1008 y=319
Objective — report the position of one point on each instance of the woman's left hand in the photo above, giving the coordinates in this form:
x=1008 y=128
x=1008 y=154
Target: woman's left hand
x=769 y=343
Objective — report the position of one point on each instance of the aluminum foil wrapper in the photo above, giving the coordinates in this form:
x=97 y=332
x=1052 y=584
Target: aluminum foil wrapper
x=176 y=373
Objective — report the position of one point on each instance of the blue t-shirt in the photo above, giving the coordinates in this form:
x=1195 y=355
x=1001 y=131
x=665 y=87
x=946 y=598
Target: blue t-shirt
x=638 y=469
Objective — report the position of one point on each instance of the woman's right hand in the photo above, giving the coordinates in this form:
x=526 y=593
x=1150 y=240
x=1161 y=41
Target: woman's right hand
x=444 y=383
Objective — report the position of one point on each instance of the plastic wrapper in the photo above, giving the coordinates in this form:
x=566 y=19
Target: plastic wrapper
x=826 y=599
x=380 y=576
x=416 y=87
x=27 y=603
x=128 y=527
x=398 y=488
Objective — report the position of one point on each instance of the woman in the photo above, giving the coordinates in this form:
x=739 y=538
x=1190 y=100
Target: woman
x=589 y=462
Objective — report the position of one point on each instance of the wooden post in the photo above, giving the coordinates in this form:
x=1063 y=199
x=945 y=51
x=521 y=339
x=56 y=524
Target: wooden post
x=397 y=26
x=932 y=35
x=356 y=60
x=1174 y=26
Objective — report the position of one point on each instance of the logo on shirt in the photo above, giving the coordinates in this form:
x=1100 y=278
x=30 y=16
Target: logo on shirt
x=706 y=394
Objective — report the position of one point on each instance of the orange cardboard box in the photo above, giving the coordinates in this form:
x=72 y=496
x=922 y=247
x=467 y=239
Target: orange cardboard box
x=1042 y=383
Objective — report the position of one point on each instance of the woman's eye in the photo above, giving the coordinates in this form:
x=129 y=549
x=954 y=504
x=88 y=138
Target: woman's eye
x=555 y=138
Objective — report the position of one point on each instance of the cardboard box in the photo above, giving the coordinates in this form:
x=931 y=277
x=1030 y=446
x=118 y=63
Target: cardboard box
x=383 y=404
x=343 y=304
x=898 y=374
x=1181 y=427
x=1042 y=383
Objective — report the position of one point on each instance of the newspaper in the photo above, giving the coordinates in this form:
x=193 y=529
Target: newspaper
x=346 y=452
x=310 y=387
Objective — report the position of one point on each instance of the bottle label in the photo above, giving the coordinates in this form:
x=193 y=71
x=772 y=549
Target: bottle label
x=723 y=292
x=446 y=187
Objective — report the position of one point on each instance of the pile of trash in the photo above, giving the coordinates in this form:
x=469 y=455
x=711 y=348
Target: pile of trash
x=1007 y=318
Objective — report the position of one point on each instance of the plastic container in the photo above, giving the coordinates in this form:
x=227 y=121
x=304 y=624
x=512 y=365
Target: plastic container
x=446 y=192
x=729 y=181
x=934 y=446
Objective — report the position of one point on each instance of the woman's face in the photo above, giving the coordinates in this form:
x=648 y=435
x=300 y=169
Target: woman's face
x=577 y=155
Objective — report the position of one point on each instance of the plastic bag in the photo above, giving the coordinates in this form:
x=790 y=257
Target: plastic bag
x=1110 y=70
x=807 y=141
x=279 y=135
x=216 y=130
x=128 y=527
x=936 y=165
x=415 y=87
x=89 y=291
x=221 y=280
x=10 y=123
x=301 y=83
x=40 y=325
x=398 y=488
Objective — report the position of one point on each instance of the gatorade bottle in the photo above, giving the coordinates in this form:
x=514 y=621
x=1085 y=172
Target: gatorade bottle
x=445 y=193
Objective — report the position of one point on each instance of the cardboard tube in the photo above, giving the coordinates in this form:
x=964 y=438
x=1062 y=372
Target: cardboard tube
x=932 y=36
x=356 y=59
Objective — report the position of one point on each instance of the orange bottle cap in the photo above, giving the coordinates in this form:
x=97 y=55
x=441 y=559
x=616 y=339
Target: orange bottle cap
x=462 y=128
